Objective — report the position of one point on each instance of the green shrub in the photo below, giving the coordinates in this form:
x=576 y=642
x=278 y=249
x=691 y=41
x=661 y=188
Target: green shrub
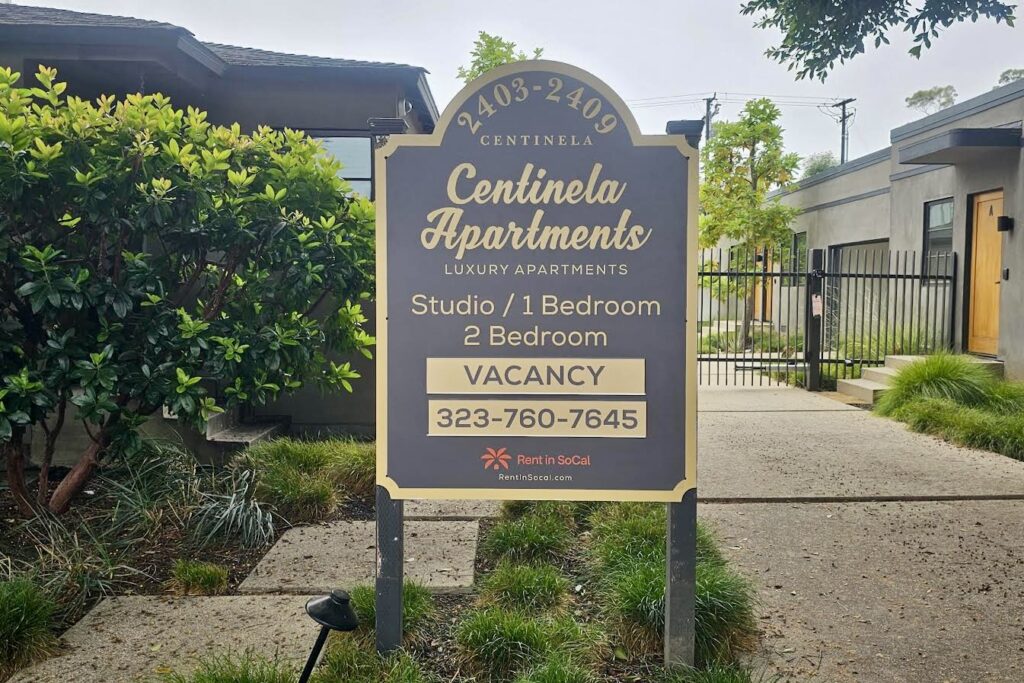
x=245 y=668
x=418 y=609
x=496 y=644
x=965 y=426
x=349 y=660
x=957 y=378
x=635 y=600
x=190 y=577
x=533 y=537
x=525 y=587
x=558 y=668
x=26 y=624
x=305 y=480
x=624 y=532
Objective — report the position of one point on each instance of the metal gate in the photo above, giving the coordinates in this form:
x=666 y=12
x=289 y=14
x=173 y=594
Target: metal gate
x=806 y=318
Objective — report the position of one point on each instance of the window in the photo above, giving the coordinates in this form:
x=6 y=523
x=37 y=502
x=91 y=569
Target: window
x=938 y=235
x=355 y=155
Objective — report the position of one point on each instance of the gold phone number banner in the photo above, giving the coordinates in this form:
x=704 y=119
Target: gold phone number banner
x=535 y=267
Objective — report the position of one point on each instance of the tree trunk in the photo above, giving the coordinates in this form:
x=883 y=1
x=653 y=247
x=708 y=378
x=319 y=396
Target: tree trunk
x=43 y=489
x=79 y=475
x=748 y=316
x=15 y=452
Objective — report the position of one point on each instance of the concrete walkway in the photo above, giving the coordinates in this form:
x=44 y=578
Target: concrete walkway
x=878 y=554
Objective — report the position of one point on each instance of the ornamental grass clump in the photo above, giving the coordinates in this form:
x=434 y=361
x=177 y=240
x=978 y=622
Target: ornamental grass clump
x=965 y=426
x=229 y=668
x=730 y=673
x=959 y=379
x=349 y=660
x=526 y=587
x=558 y=668
x=191 y=577
x=418 y=610
x=496 y=644
x=26 y=624
x=538 y=536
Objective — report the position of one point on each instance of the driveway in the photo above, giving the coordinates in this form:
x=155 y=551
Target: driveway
x=878 y=554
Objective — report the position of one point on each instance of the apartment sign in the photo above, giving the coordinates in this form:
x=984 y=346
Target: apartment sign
x=534 y=274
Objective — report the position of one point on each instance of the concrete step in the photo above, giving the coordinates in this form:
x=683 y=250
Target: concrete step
x=881 y=375
x=899 y=362
x=246 y=434
x=861 y=389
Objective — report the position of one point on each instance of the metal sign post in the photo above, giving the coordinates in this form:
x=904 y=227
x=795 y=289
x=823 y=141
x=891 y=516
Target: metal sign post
x=535 y=283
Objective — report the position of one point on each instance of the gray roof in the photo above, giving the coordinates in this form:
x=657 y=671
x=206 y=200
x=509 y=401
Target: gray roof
x=21 y=15
x=47 y=16
x=250 y=56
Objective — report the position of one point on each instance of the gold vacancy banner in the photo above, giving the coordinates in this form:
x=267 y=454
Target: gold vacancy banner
x=535 y=267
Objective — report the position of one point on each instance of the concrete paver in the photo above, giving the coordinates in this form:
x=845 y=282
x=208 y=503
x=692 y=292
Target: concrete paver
x=885 y=592
x=765 y=399
x=315 y=559
x=833 y=452
x=137 y=638
x=452 y=509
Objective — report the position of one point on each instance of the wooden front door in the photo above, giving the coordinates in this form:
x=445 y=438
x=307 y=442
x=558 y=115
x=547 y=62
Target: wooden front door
x=986 y=274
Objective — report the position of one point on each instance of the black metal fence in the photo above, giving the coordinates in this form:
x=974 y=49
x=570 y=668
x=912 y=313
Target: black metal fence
x=808 y=318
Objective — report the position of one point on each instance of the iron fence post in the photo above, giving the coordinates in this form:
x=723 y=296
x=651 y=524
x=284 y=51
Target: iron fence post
x=814 y=311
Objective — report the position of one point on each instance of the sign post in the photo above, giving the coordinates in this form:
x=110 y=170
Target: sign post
x=535 y=282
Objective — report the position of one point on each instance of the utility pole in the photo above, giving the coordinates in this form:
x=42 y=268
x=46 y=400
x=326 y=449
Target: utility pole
x=844 y=118
x=709 y=113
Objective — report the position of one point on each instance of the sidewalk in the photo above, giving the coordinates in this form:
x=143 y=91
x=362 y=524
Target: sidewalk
x=919 y=576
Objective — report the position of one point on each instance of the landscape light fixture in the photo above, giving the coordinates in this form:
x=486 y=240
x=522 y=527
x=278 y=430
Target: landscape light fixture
x=334 y=613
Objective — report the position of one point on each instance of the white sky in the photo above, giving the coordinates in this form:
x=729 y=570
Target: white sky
x=642 y=48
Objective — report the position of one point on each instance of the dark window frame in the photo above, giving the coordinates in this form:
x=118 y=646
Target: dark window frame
x=926 y=231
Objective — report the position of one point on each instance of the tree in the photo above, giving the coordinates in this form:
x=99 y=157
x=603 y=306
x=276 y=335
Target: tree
x=150 y=259
x=742 y=163
x=819 y=162
x=932 y=100
x=819 y=33
x=1011 y=76
x=491 y=51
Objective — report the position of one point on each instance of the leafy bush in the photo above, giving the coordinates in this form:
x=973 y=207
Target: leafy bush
x=190 y=577
x=496 y=644
x=351 y=661
x=537 y=536
x=957 y=378
x=26 y=624
x=246 y=668
x=418 y=609
x=152 y=259
x=304 y=480
x=232 y=514
x=526 y=587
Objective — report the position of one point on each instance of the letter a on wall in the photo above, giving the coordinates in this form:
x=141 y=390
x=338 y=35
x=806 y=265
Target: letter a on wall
x=535 y=270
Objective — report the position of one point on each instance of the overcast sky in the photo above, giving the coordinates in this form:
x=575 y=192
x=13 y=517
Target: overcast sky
x=642 y=48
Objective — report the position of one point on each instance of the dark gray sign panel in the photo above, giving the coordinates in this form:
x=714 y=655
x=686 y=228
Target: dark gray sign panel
x=534 y=273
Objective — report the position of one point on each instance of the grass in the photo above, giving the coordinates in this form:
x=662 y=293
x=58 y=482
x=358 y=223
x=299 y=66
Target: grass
x=232 y=514
x=418 y=610
x=189 y=577
x=351 y=661
x=715 y=674
x=959 y=400
x=627 y=554
x=26 y=624
x=532 y=588
x=946 y=376
x=558 y=668
x=965 y=426
x=306 y=480
x=245 y=668
x=539 y=535
x=497 y=645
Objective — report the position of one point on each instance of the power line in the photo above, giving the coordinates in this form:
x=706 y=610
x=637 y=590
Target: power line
x=845 y=117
